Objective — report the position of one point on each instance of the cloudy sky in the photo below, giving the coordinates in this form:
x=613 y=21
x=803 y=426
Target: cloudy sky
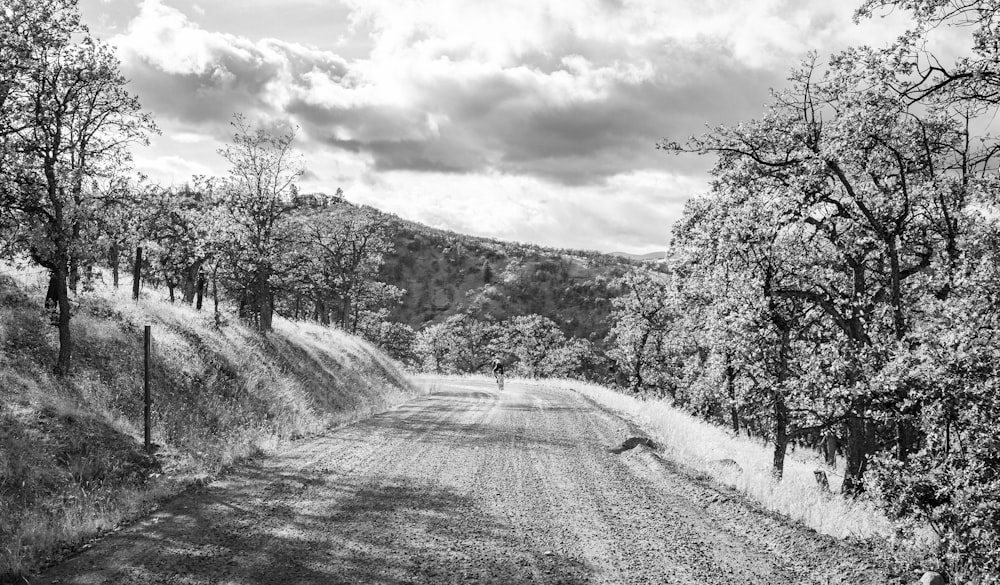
x=528 y=120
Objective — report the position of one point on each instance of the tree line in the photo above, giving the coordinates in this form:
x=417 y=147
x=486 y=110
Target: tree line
x=70 y=201
x=840 y=279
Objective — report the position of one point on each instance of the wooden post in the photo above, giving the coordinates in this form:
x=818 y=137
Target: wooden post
x=147 y=400
x=136 y=273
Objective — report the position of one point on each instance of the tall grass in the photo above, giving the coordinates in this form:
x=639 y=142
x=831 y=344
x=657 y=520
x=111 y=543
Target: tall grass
x=71 y=462
x=701 y=446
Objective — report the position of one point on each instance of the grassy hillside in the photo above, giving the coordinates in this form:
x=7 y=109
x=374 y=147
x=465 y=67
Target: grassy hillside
x=445 y=273
x=71 y=459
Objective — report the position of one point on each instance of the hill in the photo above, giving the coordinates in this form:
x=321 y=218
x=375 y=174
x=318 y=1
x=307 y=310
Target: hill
x=650 y=256
x=71 y=457
x=445 y=274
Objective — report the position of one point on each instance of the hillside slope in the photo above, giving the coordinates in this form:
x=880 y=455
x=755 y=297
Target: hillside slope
x=445 y=273
x=71 y=462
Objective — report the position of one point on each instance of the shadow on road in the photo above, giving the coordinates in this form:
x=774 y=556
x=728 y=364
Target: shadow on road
x=289 y=522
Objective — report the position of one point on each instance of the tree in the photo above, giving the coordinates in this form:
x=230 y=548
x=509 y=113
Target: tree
x=529 y=339
x=733 y=252
x=122 y=219
x=66 y=117
x=335 y=263
x=972 y=79
x=433 y=345
x=867 y=194
x=259 y=193
x=396 y=339
x=184 y=232
x=642 y=317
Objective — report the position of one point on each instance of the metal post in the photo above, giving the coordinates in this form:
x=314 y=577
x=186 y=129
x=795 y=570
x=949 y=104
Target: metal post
x=145 y=383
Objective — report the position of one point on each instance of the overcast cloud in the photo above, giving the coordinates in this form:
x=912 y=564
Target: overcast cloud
x=519 y=119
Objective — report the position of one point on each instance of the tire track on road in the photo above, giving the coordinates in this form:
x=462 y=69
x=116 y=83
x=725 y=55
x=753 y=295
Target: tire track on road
x=463 y=485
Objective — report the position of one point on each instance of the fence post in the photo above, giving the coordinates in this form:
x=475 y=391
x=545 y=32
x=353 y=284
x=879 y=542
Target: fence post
x=145 y=384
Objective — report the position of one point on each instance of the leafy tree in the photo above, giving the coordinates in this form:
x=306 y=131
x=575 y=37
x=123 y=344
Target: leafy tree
x=66 y=116
x=951 y=482
x=972 y=79
x=867 y=193
x=433 y=346
x=258 y=196
x=185 y=232
x=642 y=315
x=396 y=339
x=336 y=263
x=529 y=339
x=575 y=359
x=122 y=219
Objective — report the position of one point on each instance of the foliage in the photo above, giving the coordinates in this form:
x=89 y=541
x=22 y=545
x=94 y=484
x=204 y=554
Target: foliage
x=834 y=279
x=65 y=117
x=258 y=199
x=528 y=345
x=643 y=317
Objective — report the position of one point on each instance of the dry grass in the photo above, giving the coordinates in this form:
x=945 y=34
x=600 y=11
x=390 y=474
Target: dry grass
x=71 y=463
x=699 y=445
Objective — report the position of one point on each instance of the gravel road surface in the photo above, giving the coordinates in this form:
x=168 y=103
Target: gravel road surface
x=467 y=485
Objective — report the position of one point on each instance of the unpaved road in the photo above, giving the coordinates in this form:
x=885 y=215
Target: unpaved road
x=466 y=485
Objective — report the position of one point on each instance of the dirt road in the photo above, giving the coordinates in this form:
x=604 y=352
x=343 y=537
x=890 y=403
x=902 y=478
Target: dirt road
x=466 y=485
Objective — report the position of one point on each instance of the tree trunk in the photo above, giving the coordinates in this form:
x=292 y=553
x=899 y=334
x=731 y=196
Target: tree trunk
x=114 y=259
x=322 y=313
x=63 y=366
x=780 y=408
x=215 y=295
x=734 y=412
x=192 y=276
x=74 y=274
x=907 y=437
x=780 y=434
x=137 y=273
x=170 y=287
x=856 y=456
x=52 y=294
x=200 y=295
x=830 y=448
x=345 y=312
x=635 y=382
x=264 y=300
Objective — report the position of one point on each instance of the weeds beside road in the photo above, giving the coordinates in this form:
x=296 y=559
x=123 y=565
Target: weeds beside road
x=71 y=462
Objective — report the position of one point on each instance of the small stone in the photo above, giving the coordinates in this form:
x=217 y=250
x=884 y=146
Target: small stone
x=548 y=553
x=931 y=578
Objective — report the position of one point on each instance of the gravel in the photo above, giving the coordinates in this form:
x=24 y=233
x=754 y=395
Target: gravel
x=468 y=485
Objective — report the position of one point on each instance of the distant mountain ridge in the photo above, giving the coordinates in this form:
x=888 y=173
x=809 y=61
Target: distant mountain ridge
x=662 y=255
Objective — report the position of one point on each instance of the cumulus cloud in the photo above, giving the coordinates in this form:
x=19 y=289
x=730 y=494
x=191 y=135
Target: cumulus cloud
x=185 y=73
x=631 y=212
x=511 y=118
x=573 y=92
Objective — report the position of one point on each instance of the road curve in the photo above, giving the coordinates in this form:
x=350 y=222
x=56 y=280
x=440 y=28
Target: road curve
x=466 y=485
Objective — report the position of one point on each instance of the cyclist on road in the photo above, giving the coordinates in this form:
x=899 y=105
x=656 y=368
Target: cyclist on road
x=498 y=372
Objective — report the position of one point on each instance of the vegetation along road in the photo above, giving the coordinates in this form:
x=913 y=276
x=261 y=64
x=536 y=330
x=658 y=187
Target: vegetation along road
x=467 y=485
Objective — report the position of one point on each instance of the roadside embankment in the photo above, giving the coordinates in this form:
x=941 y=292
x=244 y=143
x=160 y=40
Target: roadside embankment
x=72 y=464
x=745 y=463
